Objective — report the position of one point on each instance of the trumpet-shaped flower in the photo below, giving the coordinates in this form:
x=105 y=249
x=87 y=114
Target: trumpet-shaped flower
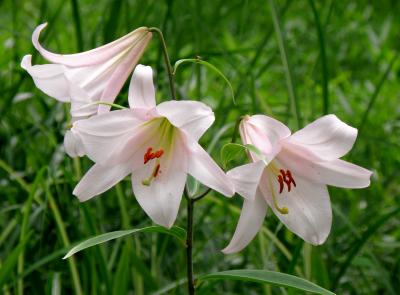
x=158 y=145
x=90 y=76
x=292 y=176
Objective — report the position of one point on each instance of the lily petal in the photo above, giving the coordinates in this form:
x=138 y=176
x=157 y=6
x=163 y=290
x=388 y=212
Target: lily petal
x=336 y=173
x=250 y=222
x=121 y=73
x=246 y=178
x=115 y=137
x=99 y=179
x=193 y=117
x=202 y=167
x=265 y=133
x=141 y=89
x=91 y=57
x=325 y=139
x=48 y=78
x=73 y=145
x=309 y=209
x=161 y=198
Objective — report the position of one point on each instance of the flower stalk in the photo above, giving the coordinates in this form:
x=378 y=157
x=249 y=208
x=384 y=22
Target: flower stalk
x=171 y=75
x=189 y=245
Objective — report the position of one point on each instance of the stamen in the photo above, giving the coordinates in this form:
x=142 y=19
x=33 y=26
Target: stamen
x=156 y=171
x=281 y=185
x=285 y=177
x=150 y=156
x=282 y=210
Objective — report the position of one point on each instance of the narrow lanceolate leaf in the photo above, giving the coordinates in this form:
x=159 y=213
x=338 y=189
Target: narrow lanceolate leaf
x=211 y=67
x=175 y=231
x=235 y=151
x=266 y=277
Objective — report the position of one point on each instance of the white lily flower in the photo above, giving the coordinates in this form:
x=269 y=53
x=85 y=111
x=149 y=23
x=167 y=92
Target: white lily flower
x=158 y=145
x=90 y=76
x=293 y=175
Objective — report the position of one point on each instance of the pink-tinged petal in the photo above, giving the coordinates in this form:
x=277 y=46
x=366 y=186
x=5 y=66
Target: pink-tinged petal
x=325 y=139
x=122 y=72
x=73 y=145
x=141 y=88
x=161 y=198
x=193 y=117
x=99 y=179
x=309 y=208
x=202 y=167
x=94 y=56
x=115 y=137
x=274 y=129
x=113 y=123
x=336 y=173
x=48 y=78
x=81 y=104
x=246 y=178
x=265 y=133
x=250 y=222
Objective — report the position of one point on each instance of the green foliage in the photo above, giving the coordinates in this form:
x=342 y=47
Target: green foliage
x=293 y=60
x=175 y=231
x=266 y=277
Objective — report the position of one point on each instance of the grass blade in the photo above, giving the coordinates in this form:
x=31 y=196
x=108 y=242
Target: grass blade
x=324 y=65
x=358 y=244
x=285 y=61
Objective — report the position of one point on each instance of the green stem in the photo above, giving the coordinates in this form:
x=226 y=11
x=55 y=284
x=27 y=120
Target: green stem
x=189 y=246
x=171 y=75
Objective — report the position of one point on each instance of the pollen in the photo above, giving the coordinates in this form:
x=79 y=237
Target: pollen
x=149 y=155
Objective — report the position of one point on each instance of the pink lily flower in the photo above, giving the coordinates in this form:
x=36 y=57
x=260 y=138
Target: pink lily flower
x=292 y=176
x=158 y=145
x=86 y=77
x=90 y=76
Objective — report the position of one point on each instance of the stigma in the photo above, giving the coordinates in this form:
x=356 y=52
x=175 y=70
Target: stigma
x=148 y=156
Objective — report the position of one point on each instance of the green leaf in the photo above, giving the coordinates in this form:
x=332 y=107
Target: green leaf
x=232 y=151
x=208 y=65
x=175 y=231
x=266 y=277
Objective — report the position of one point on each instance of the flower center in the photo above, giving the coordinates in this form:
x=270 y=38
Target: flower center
x=148 y=156
x=284 y=178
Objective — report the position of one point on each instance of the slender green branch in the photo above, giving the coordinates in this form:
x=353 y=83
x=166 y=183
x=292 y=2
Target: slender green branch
x=171 y=75
x=189 y=246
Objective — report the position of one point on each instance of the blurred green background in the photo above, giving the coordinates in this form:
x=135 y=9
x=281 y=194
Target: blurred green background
x=319 y=57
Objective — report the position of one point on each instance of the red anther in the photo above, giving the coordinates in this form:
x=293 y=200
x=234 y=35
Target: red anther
x=285 y=178
x=280 y=179
x=148 y=155
x=156 y=171
x=289 y=174
x=159 y=153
